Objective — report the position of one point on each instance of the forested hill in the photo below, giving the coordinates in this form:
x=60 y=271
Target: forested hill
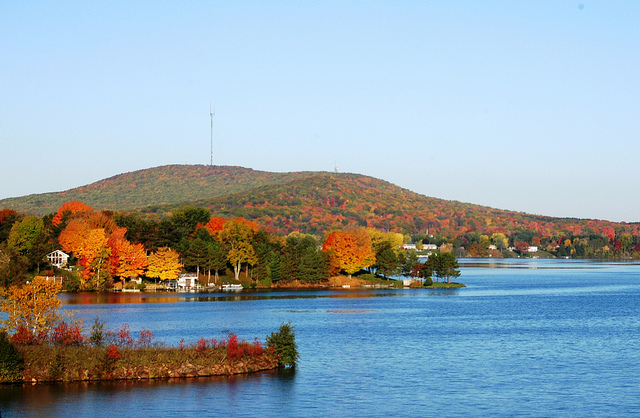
x=312 y=202
x=322 y=201
x=154 y=186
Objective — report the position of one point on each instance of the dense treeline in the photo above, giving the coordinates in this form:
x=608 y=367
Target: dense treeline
x=110 y=247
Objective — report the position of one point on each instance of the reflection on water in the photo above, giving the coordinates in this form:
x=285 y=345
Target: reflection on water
x=341 y=311
x=45 y=399
x=119 y=298
x=128 y=298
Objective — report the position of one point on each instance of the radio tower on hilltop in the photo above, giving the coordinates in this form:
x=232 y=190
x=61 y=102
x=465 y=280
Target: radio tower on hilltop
x=212 y=112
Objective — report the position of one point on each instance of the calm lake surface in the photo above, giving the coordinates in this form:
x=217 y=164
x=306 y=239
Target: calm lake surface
x=531 y=338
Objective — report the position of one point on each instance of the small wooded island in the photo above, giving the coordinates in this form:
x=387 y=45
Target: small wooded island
x=43 y=347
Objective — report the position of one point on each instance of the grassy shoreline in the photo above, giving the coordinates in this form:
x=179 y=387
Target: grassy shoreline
x=451 y=285
x=81 y=359
x=84 y=363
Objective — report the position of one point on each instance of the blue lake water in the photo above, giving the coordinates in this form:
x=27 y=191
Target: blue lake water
x=529 y=338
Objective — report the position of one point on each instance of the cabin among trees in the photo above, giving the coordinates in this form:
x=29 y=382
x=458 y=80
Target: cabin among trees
x=58 y=259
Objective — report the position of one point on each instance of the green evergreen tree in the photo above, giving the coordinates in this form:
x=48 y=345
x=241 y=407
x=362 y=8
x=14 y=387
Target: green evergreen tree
x=275 y=266
x=197 y=253
x=261 y=271
x=314 y=267
x=284 y=345
x=218 y=261
x=387 y=261
x=409 y=261
x=446 y=266
x=186 y=219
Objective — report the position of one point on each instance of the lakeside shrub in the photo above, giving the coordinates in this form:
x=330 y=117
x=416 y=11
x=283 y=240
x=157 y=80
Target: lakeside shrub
x=72 y=281
x=202 y=345
x=64 y=334
x=120 y=337
x=124 y=336
x=11 y=361
x=111 y=356
x=233 y=352
x=284 y=345
x=145 y=339
x=23 y=335
x=235 y=348
x=97 y=332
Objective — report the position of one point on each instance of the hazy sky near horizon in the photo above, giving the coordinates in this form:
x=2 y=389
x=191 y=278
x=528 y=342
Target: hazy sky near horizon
x=531 y=106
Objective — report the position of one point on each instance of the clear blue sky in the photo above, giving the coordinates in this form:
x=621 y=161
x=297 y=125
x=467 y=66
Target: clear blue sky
x=531 y=106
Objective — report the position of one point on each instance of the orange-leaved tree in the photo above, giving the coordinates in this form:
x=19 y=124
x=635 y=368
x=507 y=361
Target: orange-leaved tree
x=127 y=260
x=69 y=208
x=215 y=225
x=164 y=264
x=251 y=224
x=349 y=250
x=93 y=237
x=72 y=237
x=94 y=255
x=33 y=306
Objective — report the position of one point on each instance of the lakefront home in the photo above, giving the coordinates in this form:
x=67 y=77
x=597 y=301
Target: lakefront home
x=58 y=259
x=188 y=281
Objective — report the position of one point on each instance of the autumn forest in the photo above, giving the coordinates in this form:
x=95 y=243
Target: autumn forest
x=271 y=228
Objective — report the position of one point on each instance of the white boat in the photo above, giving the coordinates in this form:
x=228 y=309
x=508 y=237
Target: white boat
x=231 y=287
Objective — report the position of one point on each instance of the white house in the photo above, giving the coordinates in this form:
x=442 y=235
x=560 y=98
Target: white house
x=188 y=281
x=58 y=259
x=409 y=247
x=532 y=249
x=429 y=247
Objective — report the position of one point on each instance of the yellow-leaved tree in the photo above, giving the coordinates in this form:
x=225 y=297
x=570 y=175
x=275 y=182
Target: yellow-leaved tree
x=379 y=239
x=164 y=264
x=237 y=236
x=33 y=305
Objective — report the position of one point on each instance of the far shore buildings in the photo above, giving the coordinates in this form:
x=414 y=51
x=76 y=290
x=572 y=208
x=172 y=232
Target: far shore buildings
x=425 y=247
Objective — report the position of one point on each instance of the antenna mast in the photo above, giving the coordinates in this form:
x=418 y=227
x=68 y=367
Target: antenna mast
x=212 y=112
